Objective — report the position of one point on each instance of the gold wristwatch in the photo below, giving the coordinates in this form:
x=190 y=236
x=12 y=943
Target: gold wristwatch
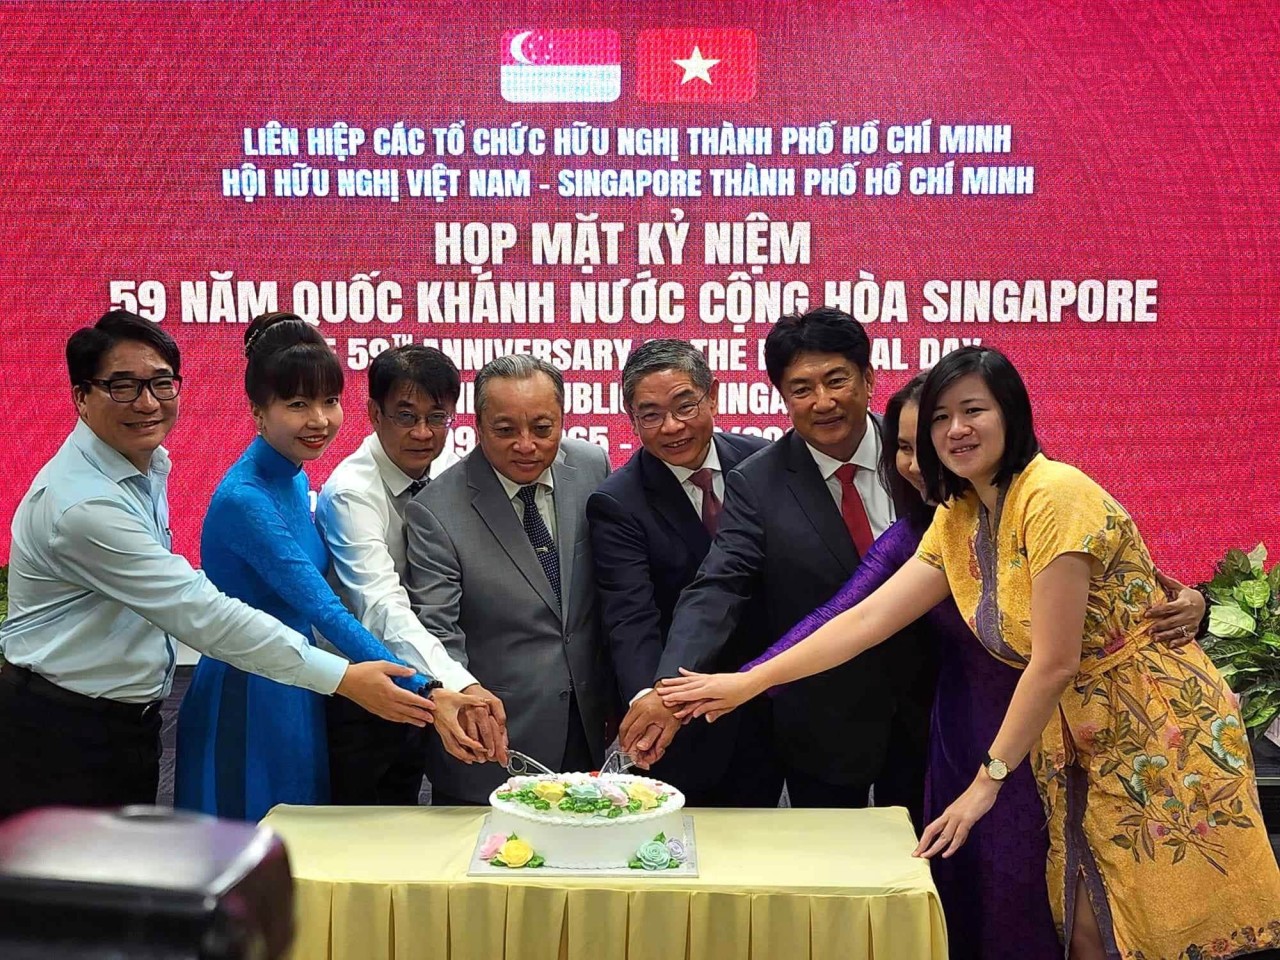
x=997 y=770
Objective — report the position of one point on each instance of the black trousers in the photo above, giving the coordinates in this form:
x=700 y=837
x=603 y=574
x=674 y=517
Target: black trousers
x=373 y=762
x=61 y=748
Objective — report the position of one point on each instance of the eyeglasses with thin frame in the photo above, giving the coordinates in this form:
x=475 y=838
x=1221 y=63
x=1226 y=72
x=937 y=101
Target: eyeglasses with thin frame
x=407 y=419
x=684 y=411
x=129 y=389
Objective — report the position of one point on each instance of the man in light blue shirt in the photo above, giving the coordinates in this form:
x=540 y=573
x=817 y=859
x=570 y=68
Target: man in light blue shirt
x=97 y=600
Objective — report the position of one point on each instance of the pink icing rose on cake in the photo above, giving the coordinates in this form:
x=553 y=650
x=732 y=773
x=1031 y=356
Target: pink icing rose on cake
x=614 y=793
x=492 y=844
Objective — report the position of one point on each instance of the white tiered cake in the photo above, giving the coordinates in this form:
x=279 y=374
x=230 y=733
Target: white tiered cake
x=585 y=821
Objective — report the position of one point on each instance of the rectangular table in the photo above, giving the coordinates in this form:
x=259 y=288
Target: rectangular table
x=391 y=883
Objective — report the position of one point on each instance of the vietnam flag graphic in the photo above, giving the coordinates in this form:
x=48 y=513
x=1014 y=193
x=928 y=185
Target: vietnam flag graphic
x=712 y=65
x=561 y=66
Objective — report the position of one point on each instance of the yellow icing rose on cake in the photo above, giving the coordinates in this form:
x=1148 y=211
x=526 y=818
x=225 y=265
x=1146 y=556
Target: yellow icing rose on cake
x=647 y=796
x=549 y=790
x=515 y=853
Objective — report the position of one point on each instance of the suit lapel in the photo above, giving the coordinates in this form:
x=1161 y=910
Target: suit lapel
x=671 y=502
x=570 y=501
x=490 y=501
x=730 y=454
x=810 y=490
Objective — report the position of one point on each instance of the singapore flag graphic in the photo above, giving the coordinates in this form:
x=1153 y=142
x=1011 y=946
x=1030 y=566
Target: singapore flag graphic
x=561 y=66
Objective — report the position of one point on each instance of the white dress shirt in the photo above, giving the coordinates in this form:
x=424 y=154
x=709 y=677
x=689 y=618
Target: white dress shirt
x=360 y=515
x=543 y=498
x=694 y=492
x=96 y=598
x=875 y=498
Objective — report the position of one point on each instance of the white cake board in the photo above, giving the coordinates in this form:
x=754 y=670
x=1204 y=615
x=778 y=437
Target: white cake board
x=482 y=868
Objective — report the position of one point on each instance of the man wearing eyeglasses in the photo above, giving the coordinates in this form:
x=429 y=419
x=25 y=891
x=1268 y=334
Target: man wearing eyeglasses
x=413 y=392
x=652 y=522
x=97 y=599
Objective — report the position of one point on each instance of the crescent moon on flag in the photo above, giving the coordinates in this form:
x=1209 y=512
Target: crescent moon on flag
x=517 y=42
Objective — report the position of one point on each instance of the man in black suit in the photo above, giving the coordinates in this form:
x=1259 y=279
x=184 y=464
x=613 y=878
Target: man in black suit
x=651 y=526
x=797 y=517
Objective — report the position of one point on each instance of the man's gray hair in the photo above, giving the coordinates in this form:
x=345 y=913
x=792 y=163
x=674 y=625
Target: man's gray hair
x=654 y=356
x=517 y=366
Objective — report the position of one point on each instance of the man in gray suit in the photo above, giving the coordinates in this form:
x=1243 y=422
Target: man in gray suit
x=500 y=569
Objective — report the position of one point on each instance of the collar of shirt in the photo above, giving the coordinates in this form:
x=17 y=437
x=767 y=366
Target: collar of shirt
x=711 y=461
x=109 y=461
x=395 y=479
x=545 y=480
x=272 y=462
x=866 y=457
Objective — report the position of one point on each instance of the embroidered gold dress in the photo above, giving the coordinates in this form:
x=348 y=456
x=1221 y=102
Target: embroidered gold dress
x=1145 y=772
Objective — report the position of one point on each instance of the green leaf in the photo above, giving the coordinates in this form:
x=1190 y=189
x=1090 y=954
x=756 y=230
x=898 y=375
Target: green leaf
x=1257 y=557
x=1273 y=578
x=635 y=864
x=1262 y=719
x=1120 y=840
x=1230 y=621
x=1179 y=854
x=673 y=865
x=1253 y=593
x=1110 y=767
x=535 y=861
x=1236 y=564
x=661 y=838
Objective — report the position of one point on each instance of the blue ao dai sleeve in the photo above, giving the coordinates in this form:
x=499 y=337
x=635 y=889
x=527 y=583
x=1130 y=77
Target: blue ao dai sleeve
x=265 y=542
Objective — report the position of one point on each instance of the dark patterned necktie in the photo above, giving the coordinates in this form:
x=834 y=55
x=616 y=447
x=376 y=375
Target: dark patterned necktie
x=416 y=486
x=540 y=537
x=711 y=506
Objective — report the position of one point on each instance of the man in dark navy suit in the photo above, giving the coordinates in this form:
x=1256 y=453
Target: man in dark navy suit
x=651 y=526
x=797 y=518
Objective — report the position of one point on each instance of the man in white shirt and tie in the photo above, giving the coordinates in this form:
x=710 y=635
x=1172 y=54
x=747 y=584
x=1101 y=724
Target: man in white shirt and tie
x=97 y=600
x=413 y=393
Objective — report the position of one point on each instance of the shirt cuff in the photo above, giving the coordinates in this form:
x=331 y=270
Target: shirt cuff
x=643 y=693
x=322 y=671
x=455 y=676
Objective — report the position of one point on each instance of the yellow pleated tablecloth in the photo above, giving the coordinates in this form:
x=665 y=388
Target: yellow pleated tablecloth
x=391 y=883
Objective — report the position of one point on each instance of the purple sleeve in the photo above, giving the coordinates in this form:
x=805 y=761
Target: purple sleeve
x=894 y=548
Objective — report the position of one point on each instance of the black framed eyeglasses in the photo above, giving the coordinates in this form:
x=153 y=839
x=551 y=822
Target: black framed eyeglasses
x=684 y=411
x=129 y=389
x=407 y=419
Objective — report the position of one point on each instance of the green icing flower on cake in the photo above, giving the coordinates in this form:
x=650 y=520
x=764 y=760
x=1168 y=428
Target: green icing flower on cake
x=654 y=855
x=658 y=854
x=584 y=791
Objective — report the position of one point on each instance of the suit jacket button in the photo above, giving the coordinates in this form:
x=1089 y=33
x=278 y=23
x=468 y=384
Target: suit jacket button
x=564 y=694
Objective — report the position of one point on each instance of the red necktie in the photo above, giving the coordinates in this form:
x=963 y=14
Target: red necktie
x=854 y=513
x=710 y=502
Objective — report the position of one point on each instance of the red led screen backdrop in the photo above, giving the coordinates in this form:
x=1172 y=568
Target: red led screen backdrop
x=1091 y=187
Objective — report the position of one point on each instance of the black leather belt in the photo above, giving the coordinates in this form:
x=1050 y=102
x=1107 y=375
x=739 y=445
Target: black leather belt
x=33 y=682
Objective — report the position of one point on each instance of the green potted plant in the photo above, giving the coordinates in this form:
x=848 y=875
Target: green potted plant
x=1244 y=632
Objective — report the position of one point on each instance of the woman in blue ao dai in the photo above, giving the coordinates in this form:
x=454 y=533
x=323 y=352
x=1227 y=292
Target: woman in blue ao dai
x=246 y=743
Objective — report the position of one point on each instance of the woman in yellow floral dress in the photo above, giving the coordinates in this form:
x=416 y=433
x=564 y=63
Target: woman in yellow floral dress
x=1157 y=845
